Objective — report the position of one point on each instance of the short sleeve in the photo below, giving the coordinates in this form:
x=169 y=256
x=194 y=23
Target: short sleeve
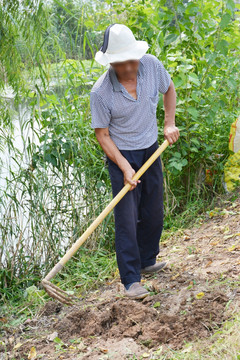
x=100 y=113
x=163 y=76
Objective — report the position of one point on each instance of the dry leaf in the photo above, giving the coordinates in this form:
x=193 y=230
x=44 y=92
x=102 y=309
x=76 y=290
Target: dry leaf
x=81 y=346
x=200 y=295
x=11 y=340
x=32 y=354
x=17 y=346
x=155 y=285
x=228 y=236
x=232 y=248
x=145 y=355
x=214 y=243
x=226 y=230
x=52 y=336
x=71 y=347
x=175 y=276
x=208 y=263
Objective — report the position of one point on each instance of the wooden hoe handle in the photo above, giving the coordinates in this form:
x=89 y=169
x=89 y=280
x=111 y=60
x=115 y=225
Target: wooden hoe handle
x=105 y=212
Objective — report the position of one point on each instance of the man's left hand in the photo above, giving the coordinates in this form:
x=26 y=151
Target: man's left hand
x=171 y=133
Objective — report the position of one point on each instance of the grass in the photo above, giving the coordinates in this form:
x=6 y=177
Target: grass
x=89 y=270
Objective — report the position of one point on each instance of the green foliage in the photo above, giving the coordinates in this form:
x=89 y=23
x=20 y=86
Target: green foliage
x=22 y=29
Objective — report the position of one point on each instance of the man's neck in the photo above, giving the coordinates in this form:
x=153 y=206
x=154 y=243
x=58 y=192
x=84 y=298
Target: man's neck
x=131 y=78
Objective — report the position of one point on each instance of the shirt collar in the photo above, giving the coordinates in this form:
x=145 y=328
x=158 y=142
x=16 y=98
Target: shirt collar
x=113 y=77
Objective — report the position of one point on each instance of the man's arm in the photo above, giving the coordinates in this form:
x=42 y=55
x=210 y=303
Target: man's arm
x=111 y=150
x=171 y=132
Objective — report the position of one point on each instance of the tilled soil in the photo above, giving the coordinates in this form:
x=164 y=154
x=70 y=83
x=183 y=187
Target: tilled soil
x=146 y=324
x=189 y=300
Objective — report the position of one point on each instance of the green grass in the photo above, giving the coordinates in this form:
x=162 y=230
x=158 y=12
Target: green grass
x=88 y=270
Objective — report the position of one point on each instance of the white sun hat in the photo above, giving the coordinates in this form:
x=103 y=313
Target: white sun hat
x=120 y=45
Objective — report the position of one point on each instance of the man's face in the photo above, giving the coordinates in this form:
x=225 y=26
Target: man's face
x=126 y=69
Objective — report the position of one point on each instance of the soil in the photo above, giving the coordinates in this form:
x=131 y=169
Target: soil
x=189 y=300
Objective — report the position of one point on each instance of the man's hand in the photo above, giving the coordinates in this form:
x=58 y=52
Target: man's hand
x=128 y=173
x=171 y=133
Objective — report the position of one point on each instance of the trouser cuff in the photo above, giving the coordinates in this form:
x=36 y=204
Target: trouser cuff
x=130 y=279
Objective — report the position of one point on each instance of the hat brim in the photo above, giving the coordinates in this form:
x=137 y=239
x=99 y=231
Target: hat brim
x=135 y=52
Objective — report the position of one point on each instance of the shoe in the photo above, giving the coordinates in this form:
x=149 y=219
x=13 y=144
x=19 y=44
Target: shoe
x=136 y=291
x=154 y=268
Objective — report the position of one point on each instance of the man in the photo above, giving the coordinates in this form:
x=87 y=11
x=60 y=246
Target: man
x=123 y=105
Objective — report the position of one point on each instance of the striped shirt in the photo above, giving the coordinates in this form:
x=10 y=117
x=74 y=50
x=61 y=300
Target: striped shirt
x=131 y=122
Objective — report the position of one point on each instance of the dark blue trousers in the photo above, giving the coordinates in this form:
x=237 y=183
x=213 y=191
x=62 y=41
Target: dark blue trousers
x=138 y=215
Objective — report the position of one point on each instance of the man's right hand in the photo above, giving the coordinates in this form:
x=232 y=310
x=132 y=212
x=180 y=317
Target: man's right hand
x=128 y=174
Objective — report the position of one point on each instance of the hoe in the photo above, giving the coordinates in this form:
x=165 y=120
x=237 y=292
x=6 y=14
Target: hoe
x=55 y=291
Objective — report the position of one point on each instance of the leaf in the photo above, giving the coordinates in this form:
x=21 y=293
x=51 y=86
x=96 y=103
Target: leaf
x=157 y=304
x=200 y=295
x=184 y=162
x=178 y=81
x=17 y=346
x=194 y=78
x=32 y=354
x=175 y=276
x=192 y=111
x=232 y=248
x=231 y=5
x=177 y=155
x=52 y=336
x=222 y=46
x=195 y=97
x=177 y=166
x=208 y=263
x=71 y=347
x=170 y=38
x=225 y=21
x=195 y=141
x=193 y=149
x=214 y=243
x=89 y=23
x=232 y=83
x=226 y=230
x=58 y=340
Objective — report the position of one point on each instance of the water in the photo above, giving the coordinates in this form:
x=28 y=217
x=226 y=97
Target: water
x=21 y=116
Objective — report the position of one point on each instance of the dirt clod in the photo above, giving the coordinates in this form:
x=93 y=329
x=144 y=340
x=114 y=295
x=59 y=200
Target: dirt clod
x=51 y=308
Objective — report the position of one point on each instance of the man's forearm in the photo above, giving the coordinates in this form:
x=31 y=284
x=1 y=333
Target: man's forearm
x=169 y=101
x=171 y=132
x=115 y=155
x=111 y=150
